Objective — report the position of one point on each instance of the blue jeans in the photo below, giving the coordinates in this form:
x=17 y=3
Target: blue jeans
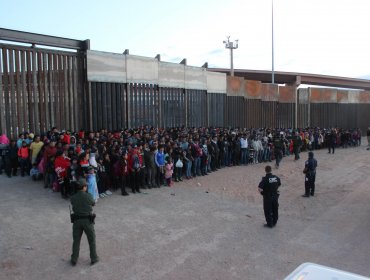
x=188 y=168
x=244 y=156
x=266 y=154
x=179 y=172
x=197 y=171
x=208 y=169
x=227 y=158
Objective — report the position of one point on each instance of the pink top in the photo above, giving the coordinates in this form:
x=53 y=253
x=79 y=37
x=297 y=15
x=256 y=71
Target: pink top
x=4 y=139
x=168 y=170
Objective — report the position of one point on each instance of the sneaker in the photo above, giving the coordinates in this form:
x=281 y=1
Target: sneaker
x=101 y=195
x=108 y=192
x=73 y=263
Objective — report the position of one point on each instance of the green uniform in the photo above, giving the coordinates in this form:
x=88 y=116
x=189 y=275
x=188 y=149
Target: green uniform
x=82 y=203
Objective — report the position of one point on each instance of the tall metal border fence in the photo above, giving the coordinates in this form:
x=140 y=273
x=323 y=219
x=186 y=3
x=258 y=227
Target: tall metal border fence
x=77 y=88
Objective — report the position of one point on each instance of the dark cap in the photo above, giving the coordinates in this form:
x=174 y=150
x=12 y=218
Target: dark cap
x=82 y=182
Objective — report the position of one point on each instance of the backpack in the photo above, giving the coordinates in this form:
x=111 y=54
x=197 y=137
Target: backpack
x=136 y=162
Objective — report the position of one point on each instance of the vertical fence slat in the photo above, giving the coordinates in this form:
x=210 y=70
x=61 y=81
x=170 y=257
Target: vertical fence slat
x=119 y=104
x=65 y=92
x=70 y=94
x=36 y=125
x=13 y=110
x=56 y=91
x=24 y=92
x=46 y=92
x=76 y=99
x=110 y=110
x=19 y=93
x=2 y=106
x=51 y=89
x=40 y=84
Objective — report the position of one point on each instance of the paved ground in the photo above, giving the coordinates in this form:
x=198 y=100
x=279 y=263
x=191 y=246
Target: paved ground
x=206 y=228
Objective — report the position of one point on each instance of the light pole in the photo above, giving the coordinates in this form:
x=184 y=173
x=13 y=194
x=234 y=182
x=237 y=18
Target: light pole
x=272 y=43
x=231 y=45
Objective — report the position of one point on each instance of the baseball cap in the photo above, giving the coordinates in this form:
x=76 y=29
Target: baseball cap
x=82 y=182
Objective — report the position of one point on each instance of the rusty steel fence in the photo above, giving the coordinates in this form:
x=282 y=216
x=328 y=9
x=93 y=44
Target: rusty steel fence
x=40 y=88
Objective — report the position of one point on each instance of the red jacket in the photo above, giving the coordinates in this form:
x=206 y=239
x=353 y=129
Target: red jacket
x=23 y=152
x=67 y=139
x=61 y=166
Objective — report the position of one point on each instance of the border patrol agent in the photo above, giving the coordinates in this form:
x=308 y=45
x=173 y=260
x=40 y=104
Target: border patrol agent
x=83 y=221
x=310 y=172
x=268 y=187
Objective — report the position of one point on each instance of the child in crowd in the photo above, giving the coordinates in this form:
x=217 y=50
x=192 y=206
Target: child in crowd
x=35 y=173
x=159 y=162
x=92 y=187
x=23 y=155
x=124 y=173
x=102 y=179
x=168 y=171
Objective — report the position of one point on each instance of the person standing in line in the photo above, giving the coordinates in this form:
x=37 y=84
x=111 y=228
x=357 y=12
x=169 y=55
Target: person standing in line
x=23 y=155
x=83 y=221
x=331 y=140
x=297 y=144
x=35 y=148
x=278 y=149
x=310 y=175
x=268 y=188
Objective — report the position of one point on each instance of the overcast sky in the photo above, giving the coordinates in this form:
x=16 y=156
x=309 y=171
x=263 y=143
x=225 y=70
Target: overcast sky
x=330 y=37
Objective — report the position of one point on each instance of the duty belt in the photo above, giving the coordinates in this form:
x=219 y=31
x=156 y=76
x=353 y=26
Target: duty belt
x=77 y=217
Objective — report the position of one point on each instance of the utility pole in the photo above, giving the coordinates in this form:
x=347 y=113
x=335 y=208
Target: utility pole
x=272 y=43
x=231 y=45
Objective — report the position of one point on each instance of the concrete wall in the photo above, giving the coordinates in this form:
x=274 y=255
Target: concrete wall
x=120 y=68
x=106 y=67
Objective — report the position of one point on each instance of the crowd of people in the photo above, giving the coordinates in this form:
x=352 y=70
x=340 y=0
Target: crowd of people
x=149 y=157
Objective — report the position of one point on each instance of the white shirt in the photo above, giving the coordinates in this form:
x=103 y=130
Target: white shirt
x=243 y=143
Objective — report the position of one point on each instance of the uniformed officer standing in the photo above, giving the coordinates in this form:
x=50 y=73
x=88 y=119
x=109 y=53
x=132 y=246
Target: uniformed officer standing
x=310 y=172
x=268 y=187
x=83 y=221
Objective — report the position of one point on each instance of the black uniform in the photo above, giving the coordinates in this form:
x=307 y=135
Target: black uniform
x=310 y=169
x=269 y=185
